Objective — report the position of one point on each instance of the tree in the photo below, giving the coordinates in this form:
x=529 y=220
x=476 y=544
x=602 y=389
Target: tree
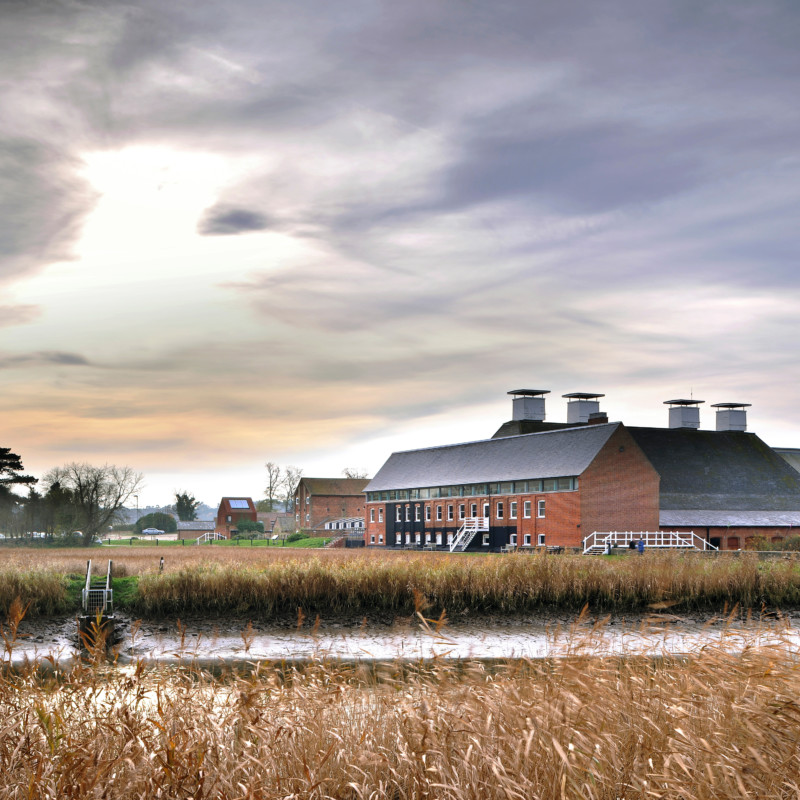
x=156 y=519
x=275 y=480
x=291 y=479
x=350 y=472
x=11 y=467
x=186 y=506
x=98 y=493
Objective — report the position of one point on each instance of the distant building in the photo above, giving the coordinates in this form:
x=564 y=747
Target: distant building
x=318 y=500
x=233 y=510
x=195 y=528
x=537 y=483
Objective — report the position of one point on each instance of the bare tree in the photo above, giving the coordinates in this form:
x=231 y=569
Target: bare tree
x=352 y=472
x=98 y=493
x=275 y=481
x=291 y=480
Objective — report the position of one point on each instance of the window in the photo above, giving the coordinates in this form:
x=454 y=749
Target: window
x=512 y=510
x=439 y=538
x=398 y=538
x=372 y=515
x=427 y=513
x=438 y=512
x=428 y=537
x=526 y=540
x=380 y=538
x=418 y=538
x=380 y=515
x=408 y=513
x=541 y=540
x=540 y=509
x=473 y=510
x=499 y=511
x=416 y=513
x=526 y=509
x=462 y=511
x=228 y=518
x=449 y=538
x=372 y=539
x=308 y=500
x=449 y=512
x=485 y=539
x=486 y=510
x=398 y=514
x=513 y=539
x=308 y=517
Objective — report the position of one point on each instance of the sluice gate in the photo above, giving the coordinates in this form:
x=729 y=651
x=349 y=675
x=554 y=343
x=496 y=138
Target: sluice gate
x=97 y=607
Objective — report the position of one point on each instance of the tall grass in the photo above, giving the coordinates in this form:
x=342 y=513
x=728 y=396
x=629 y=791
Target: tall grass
x=509 y=584
x=714 y=725
x=256 y=582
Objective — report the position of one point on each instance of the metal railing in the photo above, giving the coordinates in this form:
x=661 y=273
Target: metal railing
x=97 y=596
x=208 y=537
x=603 y=541
x=466 y=533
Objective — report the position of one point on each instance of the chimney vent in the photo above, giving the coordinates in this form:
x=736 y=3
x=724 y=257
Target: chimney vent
x=684 y=413
x=598 y=418
x=580 y=405
x=731 y=416
x=528 y=404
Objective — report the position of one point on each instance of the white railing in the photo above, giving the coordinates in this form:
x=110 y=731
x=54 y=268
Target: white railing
x=208 y=537
x=466 y=533
x=603 y=541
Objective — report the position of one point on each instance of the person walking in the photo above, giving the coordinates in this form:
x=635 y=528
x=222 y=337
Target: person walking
x=640 y=546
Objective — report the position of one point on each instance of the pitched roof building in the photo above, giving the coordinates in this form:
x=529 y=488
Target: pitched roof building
x=317 y=500
x=539 y=483
x=233 y=510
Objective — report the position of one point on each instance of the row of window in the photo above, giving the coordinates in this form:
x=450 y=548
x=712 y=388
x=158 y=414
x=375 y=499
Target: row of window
x=499 y=511
x=478 y=489
x=429 y=539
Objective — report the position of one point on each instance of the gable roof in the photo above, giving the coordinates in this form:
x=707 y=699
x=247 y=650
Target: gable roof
x=550 y=454
x=334 y=486
x=718 y=470
x=237 y=503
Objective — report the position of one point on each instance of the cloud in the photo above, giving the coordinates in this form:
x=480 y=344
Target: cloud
x=53 y=357
x=227 y=220
x=21 y=314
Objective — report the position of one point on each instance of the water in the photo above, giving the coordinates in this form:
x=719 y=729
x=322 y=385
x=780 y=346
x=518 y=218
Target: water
x=234 y=644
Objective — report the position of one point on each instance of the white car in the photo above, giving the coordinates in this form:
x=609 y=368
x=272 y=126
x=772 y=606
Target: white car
x=152 y=531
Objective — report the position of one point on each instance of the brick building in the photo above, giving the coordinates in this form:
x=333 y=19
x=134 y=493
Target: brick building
x=233 y=510
x=548 y=483
x=318 y=500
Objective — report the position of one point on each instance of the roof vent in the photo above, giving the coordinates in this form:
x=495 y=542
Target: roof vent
x=598 y=418
x=731 y=416
x=528 y=404
x=684 y=413
x=580 y=405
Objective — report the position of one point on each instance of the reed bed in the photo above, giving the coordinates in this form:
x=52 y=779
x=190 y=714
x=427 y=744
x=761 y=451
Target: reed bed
x=716 y=724
x=229 y=581
x=459 y=585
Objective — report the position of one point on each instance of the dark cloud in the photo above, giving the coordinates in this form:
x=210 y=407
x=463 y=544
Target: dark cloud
x=228 y=220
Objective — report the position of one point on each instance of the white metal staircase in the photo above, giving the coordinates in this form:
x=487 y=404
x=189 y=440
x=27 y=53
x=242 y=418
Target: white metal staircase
x=466 y=533
x=601 y=542
x=208 y=537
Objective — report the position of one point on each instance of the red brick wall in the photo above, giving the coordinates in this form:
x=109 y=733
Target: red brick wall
x=322 y=507
x=619 y=489
x=732 y=538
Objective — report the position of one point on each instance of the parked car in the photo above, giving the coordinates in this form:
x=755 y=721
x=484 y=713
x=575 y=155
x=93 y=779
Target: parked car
x=152 y=531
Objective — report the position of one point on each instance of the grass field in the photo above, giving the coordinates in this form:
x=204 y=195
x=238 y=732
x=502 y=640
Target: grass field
x=269 y=581
x=713 y=725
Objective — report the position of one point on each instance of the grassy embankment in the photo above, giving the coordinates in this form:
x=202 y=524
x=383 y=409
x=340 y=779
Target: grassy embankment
x=265 y=583
x=713 y=725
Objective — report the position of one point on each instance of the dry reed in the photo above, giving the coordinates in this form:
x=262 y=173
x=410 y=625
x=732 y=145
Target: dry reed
x=714 y=725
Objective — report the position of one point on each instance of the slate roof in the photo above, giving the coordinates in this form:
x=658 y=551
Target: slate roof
x=335 y=486
x=197 y=525
x=718 y=471
x=739 y=519
x=789 y=454
x=551 y=454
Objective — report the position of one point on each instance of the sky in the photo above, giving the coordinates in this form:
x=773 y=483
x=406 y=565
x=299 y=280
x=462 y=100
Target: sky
x=314 y=233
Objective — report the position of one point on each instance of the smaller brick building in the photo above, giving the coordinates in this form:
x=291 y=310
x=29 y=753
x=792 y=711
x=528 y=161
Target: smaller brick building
x=318 y=500
x=233 y=510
